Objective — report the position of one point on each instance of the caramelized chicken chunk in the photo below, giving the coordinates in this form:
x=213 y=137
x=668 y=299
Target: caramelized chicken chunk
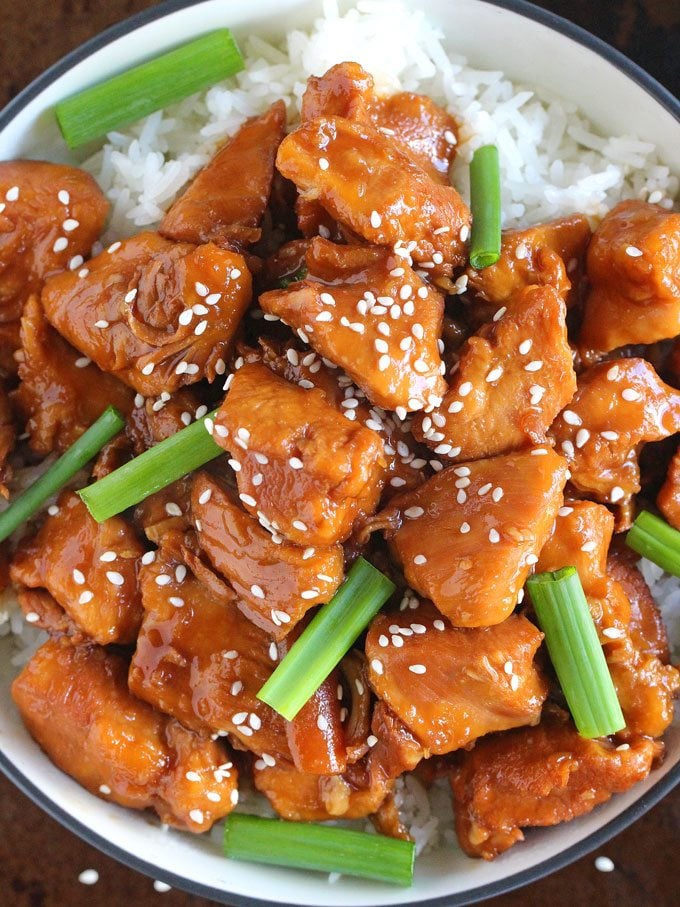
x=50 y=216
x=536 y=777
x=225 y=202
x=152 y=420
x=305 y=468
x=201 y=661
x=76 y=703
x=396 y=749
x=276 y=583
x=513 y=378
x=634 y=272
x=368 y=291
x=618 y=406
x=315 y=735
x=668 y=499
x=90 y=568
x=166 y=513
x=61 y=392
x=450 y=686
x=376 y=190
x=538 y=256
x=157 y=315
x=646 y=627
x=468 y=538
x=43 y=612
x=580 y=538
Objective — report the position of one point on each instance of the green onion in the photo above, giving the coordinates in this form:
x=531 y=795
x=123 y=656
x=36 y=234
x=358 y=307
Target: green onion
x=300 y=274
x=154 y=469
x=485 y=201
x=136 y=93
x=302 y=845
x=654 y=539
x=326 y=639
x=79 y=453
x=575 y=651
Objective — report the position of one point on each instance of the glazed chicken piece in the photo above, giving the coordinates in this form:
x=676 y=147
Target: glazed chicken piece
x=536 y=777
x=634 y=272
x=153 y=420
x=395 y=749
x=42 y=611
x=627 y=620
x=413 y=122
x=276 y=582
x=467 y=539
x=200 y=660
x=618 y=406
x=450 y=686
x=513 y=378
x=7 y=436
x=668 y=499
x=368 y=184
x=90 y=569
x=156 y=314
x=367 y=311
x=308 y=471
x=75 y=702
x=166 y=513
x=543 y=255
x=61 y=391
x=9 y=344
x=50 y=215
x=225 y=202
x=316 y=736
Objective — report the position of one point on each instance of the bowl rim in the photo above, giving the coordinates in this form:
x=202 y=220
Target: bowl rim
x=519 y=879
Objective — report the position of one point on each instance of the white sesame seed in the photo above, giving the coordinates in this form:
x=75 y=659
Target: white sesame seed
x=200 y=328
x=494 y=537
x=588 y=547
x=499 y=314
x=148 y=557
x=70 y=224
x=31 y=617
x=568 y=448
x=148 y=368
x=78 y=577
x=201 y=289
x=604 y=864
x=534 y=366
x=248 y=499
x=419 y=559
x=322 y=723
x=295 y=463
x=323 y=163
x=417 y=669
x=571 y=418
x=88 y=877
x=114 y=247
x=196 y=815
x=176 y=601
x=531 y=559
x=461 y=497
x=377 y=666
x=380 y=345
x=582 y=437
x=413 y=513
x=82 y=362
x=464 y=528
x=616 y=494
x=514 y=683
x=631 y=395
x=383 y=363
x=104 y=789
x=12 y=194
x=494 y=374
x=299 y=525
x=64 y=196
x=376 y=220
x=75 y=262
x=633 y=251
x=173 y=509
x=163 y=579
x=613 y=633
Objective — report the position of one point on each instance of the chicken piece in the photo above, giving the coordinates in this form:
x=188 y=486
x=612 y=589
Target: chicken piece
x=201 y=661
x=315 y=735
x=225 y=202
x=7 y=437
x=668 y=499
x=450 y=686
x=634 y=272
x=468 y=538
x=42 y=611
x=307 y=470
x=580 y=538
x=513 y=378
x=152 y=420
x=50 y=216
x=157 y=315
x=395 y=749
x=413 y=122
x=61 y=392
x=376 y=190
x=75 y=702
x=538 y=256
x=536 y=777
x=9 y=343
x=618 y=406
x=350 y=290
x=90 y=568
x=166 y=513
x=276 y=583
x=646 y=627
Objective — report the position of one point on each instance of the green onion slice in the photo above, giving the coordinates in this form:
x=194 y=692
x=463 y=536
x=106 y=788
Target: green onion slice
x=575 y=651
x=654 y=539
x=327 y=638
x=485 y=201
x=302 y=845
x=151 y=86
x=156 y=468
x=300 y=274
x=79 y=453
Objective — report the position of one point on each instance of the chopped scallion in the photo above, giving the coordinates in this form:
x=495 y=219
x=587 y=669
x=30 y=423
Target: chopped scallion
x=575 y=651
x=485 y=202
x=300 y=274
x=134 y=94
x=79 y=453
x=154 y=469
x=327 y=638
x=654 y=539
x=302 y=845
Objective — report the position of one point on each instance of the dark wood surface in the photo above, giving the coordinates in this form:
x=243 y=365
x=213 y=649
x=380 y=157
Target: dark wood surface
x=39 y=861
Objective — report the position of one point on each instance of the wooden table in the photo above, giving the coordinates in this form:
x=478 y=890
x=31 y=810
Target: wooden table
x=39 y=861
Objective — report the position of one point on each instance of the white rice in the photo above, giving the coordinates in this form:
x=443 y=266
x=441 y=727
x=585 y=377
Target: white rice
x=553 y=162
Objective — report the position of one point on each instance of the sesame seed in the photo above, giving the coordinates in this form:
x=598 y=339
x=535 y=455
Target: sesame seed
x=494 y=537
x=616 y=494
x=322 y=723
x=613 y=373
x=78 y=577
x=298 y=524
x=567 y=448
x=604 y=864
x=521 y=251
x=201 y=289
x=85 y=597
x=176 y=601
x=173 y=509
x=323 y=163
x=377 y=666
x=114 y=247
x=571 y=418
x=417 y=669
x=88 y=877
x=631 y=395
x=213 y=298
x=233 y=796
x=514 y=683
x=32 y=617
x=412 y=513
x=148 y=368
x=582 y=437
x=419 y=559
x=531 y=559
x=235 y=273
x=12 y=194
x=104 y=789
x=633 y=251
x=494 y=374
x=499 y=314
x=163 y=579
x=464 y=528
x=75 y=262
x=64 y=197
x=148 y=558
x=534 y=366
x=296 y=463
x=376 y=220
x=196 y=815
x=200 y=328
x=255 y=721
x=70 y=224
x=613 y=633
x=484 y=489
x=461 y=497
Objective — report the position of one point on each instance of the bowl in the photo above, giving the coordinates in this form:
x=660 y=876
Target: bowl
x=565 y=60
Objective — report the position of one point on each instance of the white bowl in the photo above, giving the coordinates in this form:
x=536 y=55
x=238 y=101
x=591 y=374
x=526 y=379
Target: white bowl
x=531 y=46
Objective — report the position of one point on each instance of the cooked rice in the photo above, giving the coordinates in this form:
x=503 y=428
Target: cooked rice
x=553 y=162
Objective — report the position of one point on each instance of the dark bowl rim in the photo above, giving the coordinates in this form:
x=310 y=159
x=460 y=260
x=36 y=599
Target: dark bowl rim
x=656 y=793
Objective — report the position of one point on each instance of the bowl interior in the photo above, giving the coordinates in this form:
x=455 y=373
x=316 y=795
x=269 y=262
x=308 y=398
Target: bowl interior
x=491 y=37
